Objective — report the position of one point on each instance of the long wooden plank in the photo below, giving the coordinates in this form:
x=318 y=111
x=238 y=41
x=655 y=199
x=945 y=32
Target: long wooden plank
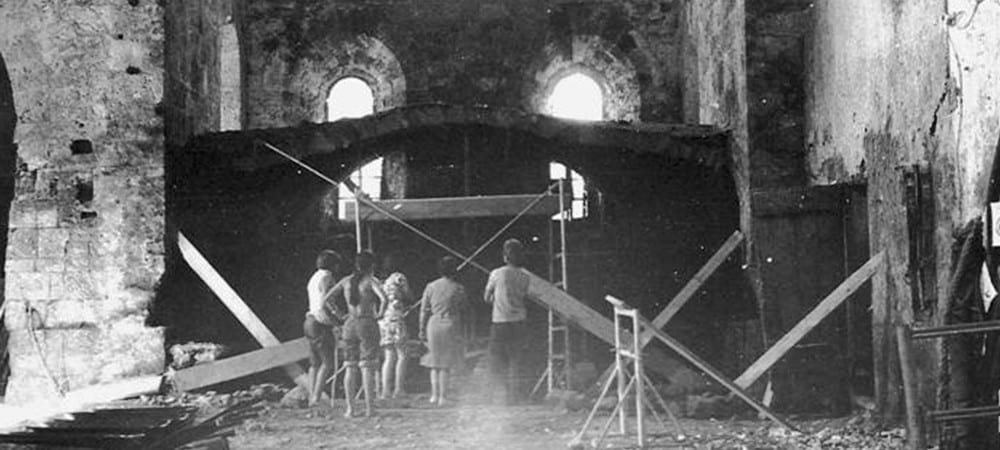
x=581 y=315
x=236 y=305
x=711 y=371
x=203 y=375
x=685 y=294
x=823 y=309
x=457 y=207
x=692 y=286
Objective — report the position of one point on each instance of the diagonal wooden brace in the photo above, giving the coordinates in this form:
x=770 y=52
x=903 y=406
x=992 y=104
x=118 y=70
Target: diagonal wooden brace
x=712 y=372
x=236 y=305
x=686 y=293
x=823 y=309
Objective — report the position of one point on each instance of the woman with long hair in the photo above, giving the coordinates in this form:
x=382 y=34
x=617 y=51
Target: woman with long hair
x=441 y=308
x=364 y=300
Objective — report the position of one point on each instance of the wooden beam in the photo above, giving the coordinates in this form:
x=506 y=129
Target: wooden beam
x=574 y=311
x=692 y=286
x=457 y=207
x=685 y=294
x=207 y=374
x=236 y=305
x=823 y=309
x=687 y=354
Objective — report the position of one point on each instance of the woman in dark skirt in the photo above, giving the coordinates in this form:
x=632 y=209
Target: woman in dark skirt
x=443 y=302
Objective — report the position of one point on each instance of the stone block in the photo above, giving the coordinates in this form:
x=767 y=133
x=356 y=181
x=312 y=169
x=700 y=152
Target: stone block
x=47 y=217
x=50 y=265
x=67 y=314
x=22 y=243
x=20 y=265
x=28 y=286
x=78 y=285
x=22 y=215
x=52 y=242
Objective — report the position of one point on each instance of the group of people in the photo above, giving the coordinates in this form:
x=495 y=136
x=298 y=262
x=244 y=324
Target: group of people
x=371 y=315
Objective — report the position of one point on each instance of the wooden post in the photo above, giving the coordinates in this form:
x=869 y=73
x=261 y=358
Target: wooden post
x=236 y=305
x=824 y=308
x=914 y=425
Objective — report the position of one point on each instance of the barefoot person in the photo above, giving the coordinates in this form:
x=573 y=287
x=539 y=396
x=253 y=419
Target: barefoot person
x=319 y=321
x=441 y=306
x=507 y=290
x=363 y=296
x=392 y=326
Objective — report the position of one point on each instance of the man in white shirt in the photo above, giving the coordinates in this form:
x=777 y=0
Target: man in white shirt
x=507 y=290
x=319 y=322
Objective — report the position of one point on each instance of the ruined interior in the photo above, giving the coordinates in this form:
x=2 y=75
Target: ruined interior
x=851 y=143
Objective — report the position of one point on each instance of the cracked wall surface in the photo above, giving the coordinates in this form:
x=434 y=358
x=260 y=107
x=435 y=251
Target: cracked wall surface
x=893 y=84
x=86 y=224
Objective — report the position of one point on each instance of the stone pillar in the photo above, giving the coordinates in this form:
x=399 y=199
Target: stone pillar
x=86 y=224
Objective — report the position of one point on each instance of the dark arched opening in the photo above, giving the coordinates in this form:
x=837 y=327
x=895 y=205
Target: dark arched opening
x=667 y=203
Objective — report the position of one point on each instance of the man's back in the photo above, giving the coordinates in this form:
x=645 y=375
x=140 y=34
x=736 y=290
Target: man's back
x=507 y=289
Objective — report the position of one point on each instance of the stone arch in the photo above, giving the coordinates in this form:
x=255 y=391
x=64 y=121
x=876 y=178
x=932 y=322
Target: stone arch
x=368 y=59
x=594 y=57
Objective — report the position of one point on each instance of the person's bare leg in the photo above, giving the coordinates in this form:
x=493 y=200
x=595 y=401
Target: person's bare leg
x=320 y=384
x=400 y=370
x=313 y=395
x=387 y=367
x=367 y=379
x=442 y=385
x=434 y=385
x=349 y=386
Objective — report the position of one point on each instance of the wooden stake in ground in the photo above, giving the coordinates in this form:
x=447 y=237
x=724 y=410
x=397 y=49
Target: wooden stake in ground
x=236 y=305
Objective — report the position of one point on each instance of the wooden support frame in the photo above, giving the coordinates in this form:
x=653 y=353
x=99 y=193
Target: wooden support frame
x=204 y=375
x=712 y=372
x=236 y=305
x=456 y=207
x=799 y=331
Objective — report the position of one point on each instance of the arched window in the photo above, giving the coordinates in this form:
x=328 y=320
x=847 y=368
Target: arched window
x=230 y=79
x=351 y=98
x=575 y=96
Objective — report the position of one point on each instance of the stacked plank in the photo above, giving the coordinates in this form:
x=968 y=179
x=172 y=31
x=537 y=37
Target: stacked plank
x=120 y=426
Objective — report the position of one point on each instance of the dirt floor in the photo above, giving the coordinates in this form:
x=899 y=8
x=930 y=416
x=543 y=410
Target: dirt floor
x=472 y=423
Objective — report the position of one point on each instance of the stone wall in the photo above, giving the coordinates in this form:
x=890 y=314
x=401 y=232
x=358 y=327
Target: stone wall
x=86 y=224
x=715 y=87
x=472 y=52
x=192 y=56
x=893 y=84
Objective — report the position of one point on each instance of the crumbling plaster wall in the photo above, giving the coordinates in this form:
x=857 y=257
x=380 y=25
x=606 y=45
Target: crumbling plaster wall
x=193 y=48
x=474 y=52
x=715 y=85
x=890 y=84
x=86 y=227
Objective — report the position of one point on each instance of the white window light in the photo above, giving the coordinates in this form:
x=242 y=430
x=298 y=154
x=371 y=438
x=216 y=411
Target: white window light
x=352 y=98
x=575 y=96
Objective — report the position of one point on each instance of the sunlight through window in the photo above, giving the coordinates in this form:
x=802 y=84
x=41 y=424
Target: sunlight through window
x=351 y=98
x=576 y=96
x=578 y=207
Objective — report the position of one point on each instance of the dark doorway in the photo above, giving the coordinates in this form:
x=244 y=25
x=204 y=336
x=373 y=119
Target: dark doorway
x=808 y=241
